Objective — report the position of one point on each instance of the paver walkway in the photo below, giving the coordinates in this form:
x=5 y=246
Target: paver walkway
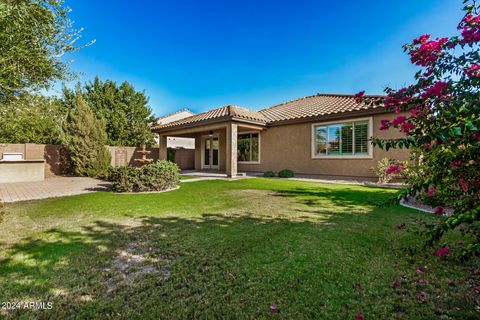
x=50 y=188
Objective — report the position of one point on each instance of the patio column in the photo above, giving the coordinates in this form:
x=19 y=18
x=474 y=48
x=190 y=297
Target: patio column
x=231 y=159
x=162 y=152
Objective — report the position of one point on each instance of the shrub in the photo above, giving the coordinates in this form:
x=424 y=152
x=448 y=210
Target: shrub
x=439 y=115
x=286 y=173
x=383 y=171
x=269 y=174
x=157 y=176
x=85 y=141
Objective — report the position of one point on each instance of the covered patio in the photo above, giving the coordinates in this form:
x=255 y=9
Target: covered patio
x=216 y=134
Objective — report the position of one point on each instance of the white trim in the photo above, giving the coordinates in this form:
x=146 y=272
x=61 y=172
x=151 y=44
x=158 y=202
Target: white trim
x=259 y=147
x=353 y=156
x=202 y=153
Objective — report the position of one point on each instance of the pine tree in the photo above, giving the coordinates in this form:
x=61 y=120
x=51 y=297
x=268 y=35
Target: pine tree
x=85 y=140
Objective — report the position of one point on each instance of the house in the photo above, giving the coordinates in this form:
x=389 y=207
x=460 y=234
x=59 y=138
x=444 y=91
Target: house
x=323 y=134
x=177 y=142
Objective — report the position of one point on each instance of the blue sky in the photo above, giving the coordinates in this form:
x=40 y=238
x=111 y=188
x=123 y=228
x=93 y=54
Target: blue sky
x=205 y=54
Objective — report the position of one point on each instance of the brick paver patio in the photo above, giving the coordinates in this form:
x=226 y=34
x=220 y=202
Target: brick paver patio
x=49 y=188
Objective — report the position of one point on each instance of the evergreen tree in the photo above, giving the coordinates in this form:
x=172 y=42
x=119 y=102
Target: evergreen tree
x=124 y=110
x=85 y=140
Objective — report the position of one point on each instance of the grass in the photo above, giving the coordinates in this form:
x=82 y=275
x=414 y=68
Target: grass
x=228 y=249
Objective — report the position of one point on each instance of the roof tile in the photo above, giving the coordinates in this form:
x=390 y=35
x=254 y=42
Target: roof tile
x=311 y=106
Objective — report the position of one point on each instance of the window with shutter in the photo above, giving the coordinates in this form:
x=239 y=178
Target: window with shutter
x=343 y=139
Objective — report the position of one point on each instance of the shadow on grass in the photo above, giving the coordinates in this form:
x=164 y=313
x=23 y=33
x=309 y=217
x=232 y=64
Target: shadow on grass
x=72 y=268
x=209 y=256
x=344 y=200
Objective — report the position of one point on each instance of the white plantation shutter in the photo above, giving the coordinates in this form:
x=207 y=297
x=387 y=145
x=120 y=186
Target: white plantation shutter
x=361 y=137
x=342 y=139
x=347 y=139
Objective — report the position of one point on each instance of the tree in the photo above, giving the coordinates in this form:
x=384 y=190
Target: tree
x=34 y=35
x=32 y=119
x=443 y=126
x=125 y=111
x=85 y=141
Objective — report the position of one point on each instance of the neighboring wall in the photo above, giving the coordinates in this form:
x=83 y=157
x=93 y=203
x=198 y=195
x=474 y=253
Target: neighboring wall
x=121 y=156
x=289 y=147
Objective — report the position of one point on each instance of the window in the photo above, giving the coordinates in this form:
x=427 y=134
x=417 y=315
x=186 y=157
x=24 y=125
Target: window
x=341 y=139
x=248 y=147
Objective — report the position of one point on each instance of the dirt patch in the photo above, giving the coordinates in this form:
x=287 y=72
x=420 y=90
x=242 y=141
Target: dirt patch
x=133 y=262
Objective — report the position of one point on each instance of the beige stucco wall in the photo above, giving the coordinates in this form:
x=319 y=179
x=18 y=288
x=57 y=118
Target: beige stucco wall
x=289 y=147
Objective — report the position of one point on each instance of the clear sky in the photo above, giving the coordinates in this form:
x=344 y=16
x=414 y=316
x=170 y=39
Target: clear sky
x=253 y=53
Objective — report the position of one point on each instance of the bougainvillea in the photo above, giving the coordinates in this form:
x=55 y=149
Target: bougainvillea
x=440 y=119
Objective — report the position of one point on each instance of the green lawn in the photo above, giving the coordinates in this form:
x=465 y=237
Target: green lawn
x=228 y=249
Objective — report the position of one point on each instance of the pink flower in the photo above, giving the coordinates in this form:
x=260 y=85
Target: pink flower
x=385 y=124
x=415 y=112
x=421 y=297
x=359 y=316
x=359 y=96
x=463 y=184
x=273 y=308
x=431 y=192
x=421 y=270
x=470 y=26
x=473 y=71
x=407 y=127
x=437 y=90
x=394 y=169
x=427 y=51
x=395 y=283
x=443 y=251
x=401 y=226
x=427 y=146
x=398 y=120
x=438 y=210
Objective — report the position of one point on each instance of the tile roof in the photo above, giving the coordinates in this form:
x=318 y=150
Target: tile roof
x=225 y=112
x=317 y=105
x=303 y=108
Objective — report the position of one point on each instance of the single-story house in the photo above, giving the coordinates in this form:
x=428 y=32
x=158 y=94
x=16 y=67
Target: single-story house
x=177 y=142
x=323 y=134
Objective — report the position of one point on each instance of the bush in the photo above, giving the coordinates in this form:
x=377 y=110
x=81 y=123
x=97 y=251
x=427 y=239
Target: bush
x=439 y=116
x=85 y=140
x=157 y=176
x=383 y=173
x=286 y=173
x=269 y=174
